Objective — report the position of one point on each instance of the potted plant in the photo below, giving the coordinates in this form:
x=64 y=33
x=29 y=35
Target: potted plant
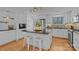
x=38 y=26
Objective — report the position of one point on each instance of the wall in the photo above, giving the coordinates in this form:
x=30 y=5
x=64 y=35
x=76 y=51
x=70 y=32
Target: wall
x=49 y=16
x=67 y=13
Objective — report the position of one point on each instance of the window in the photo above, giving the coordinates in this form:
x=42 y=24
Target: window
x=58 y=20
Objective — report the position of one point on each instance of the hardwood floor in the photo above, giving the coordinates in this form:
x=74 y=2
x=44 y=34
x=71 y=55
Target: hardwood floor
x=58 y=44
x=13 y=46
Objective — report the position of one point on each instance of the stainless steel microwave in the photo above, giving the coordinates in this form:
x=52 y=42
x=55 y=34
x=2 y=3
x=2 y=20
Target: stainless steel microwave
x=22 y=26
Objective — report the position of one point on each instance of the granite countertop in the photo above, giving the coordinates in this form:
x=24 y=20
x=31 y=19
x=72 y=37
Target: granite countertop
x=36 y=32
x=74 y=30
x=56 y=28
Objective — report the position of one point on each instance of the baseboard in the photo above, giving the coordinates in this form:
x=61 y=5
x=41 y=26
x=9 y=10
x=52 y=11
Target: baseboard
x=59 y=37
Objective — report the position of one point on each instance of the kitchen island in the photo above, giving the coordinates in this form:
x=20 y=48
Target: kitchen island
x=42 y=38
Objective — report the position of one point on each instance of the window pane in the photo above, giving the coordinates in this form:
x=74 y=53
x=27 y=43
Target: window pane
x=55 y=20
x=58 y=20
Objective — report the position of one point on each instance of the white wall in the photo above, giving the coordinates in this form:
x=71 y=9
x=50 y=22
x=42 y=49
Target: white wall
x=67 y=13
x=49 y=16
x=30 y=22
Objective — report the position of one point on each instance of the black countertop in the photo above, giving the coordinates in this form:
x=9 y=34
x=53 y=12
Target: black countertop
x=36 y=32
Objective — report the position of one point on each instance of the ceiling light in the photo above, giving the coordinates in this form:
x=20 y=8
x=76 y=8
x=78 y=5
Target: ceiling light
x=36 y=9
x=7 y=17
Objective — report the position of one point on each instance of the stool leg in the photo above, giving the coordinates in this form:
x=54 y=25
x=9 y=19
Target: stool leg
x=39 y=45
x=33 y=45
x=28 y=45
x=24 y=44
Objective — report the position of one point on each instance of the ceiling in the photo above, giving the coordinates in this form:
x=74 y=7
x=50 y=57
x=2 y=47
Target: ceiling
x=42 y=10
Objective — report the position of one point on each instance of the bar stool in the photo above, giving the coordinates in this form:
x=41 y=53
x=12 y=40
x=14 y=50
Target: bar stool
x=27 y=39
x=37 y=42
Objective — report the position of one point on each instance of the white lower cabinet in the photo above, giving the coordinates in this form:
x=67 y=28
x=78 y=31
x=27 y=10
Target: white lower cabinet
x=76 y=40
x=7 y=36
x=63 y=33
x=21 y=34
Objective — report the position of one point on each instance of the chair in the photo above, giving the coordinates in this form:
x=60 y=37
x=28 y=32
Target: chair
x=26 y=41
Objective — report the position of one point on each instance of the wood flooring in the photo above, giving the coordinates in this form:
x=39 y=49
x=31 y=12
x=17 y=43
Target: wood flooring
x=61 y=44
x=58 y=44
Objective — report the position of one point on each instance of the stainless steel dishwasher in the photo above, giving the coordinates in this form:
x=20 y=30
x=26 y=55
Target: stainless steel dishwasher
x=70 y=37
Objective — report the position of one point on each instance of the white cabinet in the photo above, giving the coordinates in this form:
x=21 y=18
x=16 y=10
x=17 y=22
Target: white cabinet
x=63 y=33
x=21 y=34
x=7 y=36
x=76 y=40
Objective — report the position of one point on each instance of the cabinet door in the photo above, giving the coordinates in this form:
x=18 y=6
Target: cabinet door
x=7 y=36
x=12 y=35
x=76 y=41
x=3 y=37
x=60 y=33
